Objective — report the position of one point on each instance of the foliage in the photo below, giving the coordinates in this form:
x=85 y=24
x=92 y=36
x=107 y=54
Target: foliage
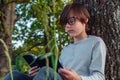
x=2 y=2
x=21 y=64
x=38 y=29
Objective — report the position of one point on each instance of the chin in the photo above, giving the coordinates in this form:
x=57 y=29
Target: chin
x=72 y=35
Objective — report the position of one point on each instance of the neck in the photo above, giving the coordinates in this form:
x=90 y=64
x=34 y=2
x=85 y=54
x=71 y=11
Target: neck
x=80 y=37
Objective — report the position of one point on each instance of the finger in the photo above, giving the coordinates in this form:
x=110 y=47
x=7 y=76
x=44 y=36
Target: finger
x=66 y=76
x=32 y=71
x=33 y=74
x=35 y=67
x=67 y=73
x=64 y=71
x=61 y=71
x=71 y=70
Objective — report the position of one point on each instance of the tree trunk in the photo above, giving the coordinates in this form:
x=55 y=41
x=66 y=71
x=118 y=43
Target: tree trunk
x=105 y=22
x=7 y=19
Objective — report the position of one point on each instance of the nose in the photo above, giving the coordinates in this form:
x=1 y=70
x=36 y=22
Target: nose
x=67 y=25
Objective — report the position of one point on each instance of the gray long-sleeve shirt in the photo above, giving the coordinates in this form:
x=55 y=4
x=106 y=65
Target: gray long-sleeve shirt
x=86 y=57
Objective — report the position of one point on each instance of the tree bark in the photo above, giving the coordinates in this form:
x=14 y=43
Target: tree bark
x=105 y=22
x=6 y=27
x=7 y=21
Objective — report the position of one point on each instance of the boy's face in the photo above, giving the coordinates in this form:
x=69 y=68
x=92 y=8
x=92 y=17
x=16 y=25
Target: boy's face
x=74 y=27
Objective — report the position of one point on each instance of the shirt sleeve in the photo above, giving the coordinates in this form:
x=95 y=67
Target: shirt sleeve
x=97 y=65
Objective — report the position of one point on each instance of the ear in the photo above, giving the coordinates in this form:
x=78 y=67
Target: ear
x=86 y=21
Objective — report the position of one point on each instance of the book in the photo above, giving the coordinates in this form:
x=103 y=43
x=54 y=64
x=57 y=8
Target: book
x=40 y=60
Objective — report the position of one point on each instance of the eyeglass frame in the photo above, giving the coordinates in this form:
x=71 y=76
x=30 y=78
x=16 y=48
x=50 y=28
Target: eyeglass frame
x=69 y=22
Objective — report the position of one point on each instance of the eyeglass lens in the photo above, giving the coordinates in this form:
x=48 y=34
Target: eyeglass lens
x=71 y=20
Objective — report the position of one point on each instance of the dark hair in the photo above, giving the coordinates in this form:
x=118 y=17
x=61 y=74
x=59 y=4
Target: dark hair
x=78 y=9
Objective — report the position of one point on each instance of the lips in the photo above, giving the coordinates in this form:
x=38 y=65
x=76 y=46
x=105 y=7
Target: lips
x=70 y=31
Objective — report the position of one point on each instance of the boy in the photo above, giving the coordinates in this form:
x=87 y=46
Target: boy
x=84 y=59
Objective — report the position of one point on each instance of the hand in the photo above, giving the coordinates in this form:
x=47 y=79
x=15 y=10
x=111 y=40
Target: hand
x=33 y=71
x=69 y=74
